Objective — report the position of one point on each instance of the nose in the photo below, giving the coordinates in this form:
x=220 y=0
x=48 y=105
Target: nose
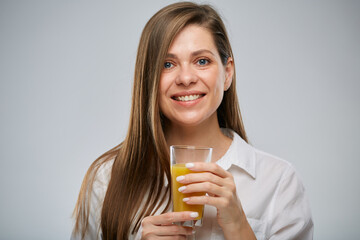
x=186 y=76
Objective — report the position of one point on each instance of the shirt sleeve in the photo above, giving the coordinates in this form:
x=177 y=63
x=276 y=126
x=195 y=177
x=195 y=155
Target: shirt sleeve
x=291 y=215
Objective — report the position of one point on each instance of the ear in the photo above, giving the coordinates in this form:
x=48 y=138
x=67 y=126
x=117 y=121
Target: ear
x=229 y=73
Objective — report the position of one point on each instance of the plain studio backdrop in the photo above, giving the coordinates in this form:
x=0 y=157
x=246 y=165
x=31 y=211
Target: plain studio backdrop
x=66 y=70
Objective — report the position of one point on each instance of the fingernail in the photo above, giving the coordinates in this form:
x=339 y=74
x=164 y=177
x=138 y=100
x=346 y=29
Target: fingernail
x=189 y=165
x=180 y=178
x=194 y=214
x=182 y=188
x=186 y=199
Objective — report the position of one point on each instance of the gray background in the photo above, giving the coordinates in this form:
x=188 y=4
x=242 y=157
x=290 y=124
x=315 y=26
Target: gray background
x=66 y=69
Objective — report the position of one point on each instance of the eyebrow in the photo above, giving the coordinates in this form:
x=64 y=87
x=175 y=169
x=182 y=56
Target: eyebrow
x=198 y=52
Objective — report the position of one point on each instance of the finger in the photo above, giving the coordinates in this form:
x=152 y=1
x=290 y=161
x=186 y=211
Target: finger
x=172 y=230
x=170 y=217
x=203 y=187
x=201 y=177
x=180 y=237
x=154 y=237
x=218 y=202
x=208 y=167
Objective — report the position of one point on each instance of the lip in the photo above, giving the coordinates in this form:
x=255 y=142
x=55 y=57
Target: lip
x=187 y=93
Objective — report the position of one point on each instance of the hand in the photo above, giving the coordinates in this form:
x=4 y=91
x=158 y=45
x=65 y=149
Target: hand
x=162 y=227
x=221 y=189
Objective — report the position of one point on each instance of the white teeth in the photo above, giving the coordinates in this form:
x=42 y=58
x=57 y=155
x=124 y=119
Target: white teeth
x=188 y=98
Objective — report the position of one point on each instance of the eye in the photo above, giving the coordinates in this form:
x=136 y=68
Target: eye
x=168 y=65
x=203 y=61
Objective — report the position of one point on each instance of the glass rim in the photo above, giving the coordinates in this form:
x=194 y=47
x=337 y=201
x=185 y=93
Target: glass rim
x=190 y=147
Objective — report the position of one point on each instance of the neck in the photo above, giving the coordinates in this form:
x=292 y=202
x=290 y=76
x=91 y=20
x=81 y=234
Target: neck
x=207 y=134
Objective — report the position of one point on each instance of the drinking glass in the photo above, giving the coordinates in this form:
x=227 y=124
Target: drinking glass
x=179 y=156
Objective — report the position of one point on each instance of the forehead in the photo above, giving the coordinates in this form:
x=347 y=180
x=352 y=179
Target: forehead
x=192 y=38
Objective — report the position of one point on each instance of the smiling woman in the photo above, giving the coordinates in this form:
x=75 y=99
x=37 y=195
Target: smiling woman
x=185 y=94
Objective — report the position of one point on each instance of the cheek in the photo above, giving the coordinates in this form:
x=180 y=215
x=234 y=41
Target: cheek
x=163 y=88
x=218 y=88
x=165 y=83
x=216 y=82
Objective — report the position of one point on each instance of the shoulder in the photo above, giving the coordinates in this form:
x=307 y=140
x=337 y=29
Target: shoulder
x=262 y=168
x=265 y=168
x=103 y=173
x=276 y=170
x=258 y=164
x=271 y=163
x=102 y=179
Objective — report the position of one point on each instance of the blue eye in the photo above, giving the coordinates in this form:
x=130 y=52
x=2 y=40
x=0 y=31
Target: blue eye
x=168 y=65
x=203 y=61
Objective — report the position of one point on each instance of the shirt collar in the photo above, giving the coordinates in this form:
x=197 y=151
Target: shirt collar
x=239 y=154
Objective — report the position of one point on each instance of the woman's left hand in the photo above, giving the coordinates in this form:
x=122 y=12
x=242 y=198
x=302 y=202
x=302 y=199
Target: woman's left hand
x=221 y=189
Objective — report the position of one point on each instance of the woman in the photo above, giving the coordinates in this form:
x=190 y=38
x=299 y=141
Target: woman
x=184 y=94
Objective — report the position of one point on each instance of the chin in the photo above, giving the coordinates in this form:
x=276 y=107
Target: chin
x=193 y=122
x=193 y=119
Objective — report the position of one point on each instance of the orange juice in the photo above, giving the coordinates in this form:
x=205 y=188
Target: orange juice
x=179 y=204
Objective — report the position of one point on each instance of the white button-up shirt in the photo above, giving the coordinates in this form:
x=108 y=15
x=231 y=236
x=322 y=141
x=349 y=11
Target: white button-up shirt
x=271 y=193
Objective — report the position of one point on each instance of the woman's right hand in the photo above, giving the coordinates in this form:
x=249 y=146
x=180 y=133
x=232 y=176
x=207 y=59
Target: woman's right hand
x=162 y=226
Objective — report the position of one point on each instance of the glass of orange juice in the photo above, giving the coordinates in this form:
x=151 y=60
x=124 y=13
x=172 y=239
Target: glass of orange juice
x=179 y=156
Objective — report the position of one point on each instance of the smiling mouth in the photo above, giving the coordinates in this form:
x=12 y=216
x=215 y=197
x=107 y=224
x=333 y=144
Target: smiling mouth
x=188 y=97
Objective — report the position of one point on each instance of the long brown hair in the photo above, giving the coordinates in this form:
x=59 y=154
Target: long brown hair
x=141 y=161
